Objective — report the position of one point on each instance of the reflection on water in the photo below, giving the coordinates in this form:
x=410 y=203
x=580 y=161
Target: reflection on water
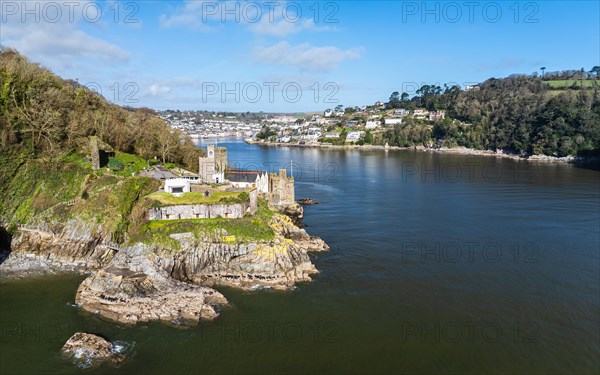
x=439 y=263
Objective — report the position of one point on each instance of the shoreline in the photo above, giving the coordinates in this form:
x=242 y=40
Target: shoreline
x=442 y=150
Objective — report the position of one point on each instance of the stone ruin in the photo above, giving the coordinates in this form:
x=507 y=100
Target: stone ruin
x=100 y=152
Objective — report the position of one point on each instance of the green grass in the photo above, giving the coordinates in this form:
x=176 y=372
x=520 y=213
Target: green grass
x=112 y=207
x=567 y=83
x=217 y=197
x=248 y=228
x=131 y=164
x=39 y=185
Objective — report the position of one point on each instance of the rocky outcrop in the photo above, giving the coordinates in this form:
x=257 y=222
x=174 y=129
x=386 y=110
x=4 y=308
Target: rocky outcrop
x=39 y=252
x=133 y=290
x=89 y=350
x=278 y=263
x=284 y=226
x=275 y=263
x=294 y=212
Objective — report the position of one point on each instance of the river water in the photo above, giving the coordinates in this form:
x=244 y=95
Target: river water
x=438 y=264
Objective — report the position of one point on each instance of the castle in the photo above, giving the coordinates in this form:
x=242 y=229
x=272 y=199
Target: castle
x=277 y=189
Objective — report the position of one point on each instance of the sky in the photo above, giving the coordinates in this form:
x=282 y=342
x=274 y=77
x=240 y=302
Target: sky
x=294 y=56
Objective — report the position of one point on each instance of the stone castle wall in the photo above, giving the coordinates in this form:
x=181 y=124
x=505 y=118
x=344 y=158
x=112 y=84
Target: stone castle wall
x=206 y=211
x=199 y=211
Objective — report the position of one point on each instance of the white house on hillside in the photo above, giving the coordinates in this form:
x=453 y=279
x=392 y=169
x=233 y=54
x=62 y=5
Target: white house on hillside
x=353 y=136
x=421 y=113
x=372 y=124
x=393 y=121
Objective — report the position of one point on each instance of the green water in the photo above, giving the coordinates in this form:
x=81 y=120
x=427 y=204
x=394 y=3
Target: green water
x=393 y=296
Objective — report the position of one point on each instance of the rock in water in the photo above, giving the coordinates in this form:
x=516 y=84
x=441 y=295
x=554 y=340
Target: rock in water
x=130 y=297
x=89 y=350
x=307 y=201
x=132 y=289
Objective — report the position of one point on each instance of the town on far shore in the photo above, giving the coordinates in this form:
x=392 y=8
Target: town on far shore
x=338 y=126
x=436 y=117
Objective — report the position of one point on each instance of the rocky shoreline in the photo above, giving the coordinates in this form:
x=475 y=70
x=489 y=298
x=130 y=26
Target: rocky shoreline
x=142 y=283
x=442 y=150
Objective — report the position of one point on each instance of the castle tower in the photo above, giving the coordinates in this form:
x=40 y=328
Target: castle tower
x=213 y=166
x=281 y=189
x=220 y=158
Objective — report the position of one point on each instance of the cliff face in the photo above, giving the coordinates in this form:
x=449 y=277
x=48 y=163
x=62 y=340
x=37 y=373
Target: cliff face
x=278 y=263
x=37 y=252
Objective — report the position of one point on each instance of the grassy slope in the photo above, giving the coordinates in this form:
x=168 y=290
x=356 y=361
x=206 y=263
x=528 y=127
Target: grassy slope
x=217 y=197
x=567 y=83
x=42 y=191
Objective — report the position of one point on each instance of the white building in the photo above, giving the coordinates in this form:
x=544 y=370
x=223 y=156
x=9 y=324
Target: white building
x=244 y=179
x=372 y=124
x=328 y=113
x=437 y=115
x=393 y=121
x=177 y=186
x=353 y=136
x=421 y=113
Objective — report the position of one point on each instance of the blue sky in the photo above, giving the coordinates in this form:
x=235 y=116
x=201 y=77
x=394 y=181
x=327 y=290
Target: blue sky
x=197 y=55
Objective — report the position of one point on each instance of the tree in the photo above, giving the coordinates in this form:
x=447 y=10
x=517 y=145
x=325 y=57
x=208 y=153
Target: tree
x=167 y=141
x=543 y=69
x=265 y=133
x=595 y=70
x=394 y=100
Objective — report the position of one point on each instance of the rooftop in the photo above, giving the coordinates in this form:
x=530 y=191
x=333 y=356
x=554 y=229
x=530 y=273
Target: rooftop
x=243 y=175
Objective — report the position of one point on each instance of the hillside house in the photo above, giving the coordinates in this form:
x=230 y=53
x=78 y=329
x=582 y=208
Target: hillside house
x=393 y=121
x=353 y=136
x=372 y=125
x=437 y=115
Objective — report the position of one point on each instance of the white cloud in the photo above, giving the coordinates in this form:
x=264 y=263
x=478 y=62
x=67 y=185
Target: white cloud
x=55 y=39
x=261 y=20
x=57 y=42
x=156 y=90
x=282 y=27
x=195 y=14
x=304 y=56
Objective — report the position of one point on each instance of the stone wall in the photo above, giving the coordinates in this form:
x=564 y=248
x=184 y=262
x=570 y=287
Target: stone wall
x=199 y=211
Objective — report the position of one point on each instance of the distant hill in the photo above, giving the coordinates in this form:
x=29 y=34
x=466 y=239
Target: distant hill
x=523 y=114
